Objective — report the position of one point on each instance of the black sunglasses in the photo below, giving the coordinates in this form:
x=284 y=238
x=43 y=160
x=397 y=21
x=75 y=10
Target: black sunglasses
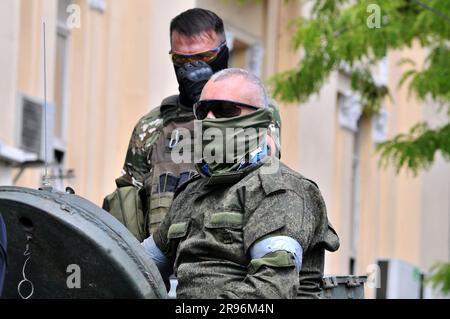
x=220 y=108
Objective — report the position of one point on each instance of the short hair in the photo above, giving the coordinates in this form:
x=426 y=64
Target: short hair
x=194 y=22
x=228 y=73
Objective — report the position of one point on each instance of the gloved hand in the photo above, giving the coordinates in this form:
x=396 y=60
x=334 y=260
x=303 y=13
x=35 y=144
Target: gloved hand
x=192 y=77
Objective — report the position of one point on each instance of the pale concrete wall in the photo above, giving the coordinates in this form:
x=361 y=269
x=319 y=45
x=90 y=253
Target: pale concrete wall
x=9 y=44
x=30 y=62
x=286 y=59
x=245 y=20
x=435 y=219
x=404 y=114
x=393 y=209
x=163 y=81
x=119 y=68
x=125 y=71
x=109 y=92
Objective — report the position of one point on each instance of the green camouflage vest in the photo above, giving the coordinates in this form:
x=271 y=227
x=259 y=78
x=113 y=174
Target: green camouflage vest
x=166 y=175
x=145 y=190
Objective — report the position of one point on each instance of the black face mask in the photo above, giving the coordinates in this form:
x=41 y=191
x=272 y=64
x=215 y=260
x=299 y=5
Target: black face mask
x=221 y=61
x=190 y=89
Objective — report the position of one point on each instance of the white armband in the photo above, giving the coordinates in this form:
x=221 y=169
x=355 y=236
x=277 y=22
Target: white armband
x=276 y=243
x=161 y=261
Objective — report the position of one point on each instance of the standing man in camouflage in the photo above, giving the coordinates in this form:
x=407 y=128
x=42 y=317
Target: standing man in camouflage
x=149 y=178
x=249 y=227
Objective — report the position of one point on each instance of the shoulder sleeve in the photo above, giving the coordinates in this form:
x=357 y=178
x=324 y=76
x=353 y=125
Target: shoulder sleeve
x=294 y=207
x=137 y=162
x=316 y=219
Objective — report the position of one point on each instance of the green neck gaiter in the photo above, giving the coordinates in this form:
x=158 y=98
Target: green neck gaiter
x=227 y=143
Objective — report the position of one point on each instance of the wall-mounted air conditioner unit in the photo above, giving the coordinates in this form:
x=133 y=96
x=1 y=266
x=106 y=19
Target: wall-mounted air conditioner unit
x=34 y=134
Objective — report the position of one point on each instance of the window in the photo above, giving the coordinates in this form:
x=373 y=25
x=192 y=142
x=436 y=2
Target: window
x=245 y=54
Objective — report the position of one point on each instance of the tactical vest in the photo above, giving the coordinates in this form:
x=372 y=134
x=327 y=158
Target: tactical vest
x=166 y=175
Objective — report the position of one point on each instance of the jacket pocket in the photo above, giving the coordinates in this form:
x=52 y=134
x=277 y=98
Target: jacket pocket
x=178 y=230
x=225 y=219
x=331 y=239
x=125 y=205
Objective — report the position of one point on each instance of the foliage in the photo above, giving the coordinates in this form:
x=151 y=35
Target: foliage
x=440 y=277
x=338 y=36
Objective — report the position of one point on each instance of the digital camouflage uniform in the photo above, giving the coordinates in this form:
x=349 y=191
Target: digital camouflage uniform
x=210 y=228
x=149 y=177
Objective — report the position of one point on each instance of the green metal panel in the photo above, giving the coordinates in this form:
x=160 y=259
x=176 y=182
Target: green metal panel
x=343 y=287
x=64 y=230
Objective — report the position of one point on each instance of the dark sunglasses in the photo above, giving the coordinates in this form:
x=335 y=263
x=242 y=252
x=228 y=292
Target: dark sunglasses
x=179 y=59
x=220 y=108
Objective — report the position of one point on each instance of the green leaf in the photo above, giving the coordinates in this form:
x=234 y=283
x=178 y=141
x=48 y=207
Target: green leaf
x=440 y=277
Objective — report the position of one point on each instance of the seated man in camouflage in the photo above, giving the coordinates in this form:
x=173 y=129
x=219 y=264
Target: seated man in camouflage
x=248 y=226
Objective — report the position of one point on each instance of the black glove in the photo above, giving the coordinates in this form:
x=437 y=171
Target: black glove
x=192 y=77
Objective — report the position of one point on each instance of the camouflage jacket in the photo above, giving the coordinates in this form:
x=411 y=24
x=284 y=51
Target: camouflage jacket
x=137 y=162
x=139 y=202
x=210 y=228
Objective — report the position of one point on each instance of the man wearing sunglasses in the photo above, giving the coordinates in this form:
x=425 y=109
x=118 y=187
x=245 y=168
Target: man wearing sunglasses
x=3 y=259
x=240 y=229
x=149 y=178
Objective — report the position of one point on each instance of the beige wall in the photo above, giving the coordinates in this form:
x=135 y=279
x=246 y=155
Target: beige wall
x=109 y=91
x=9 y=40
x=399 y=216
x=245 y=20
x=119 y=68
x=285 y=59
x=405 y=113
x=435 y=219
x=162 y=75
x=30 y=66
